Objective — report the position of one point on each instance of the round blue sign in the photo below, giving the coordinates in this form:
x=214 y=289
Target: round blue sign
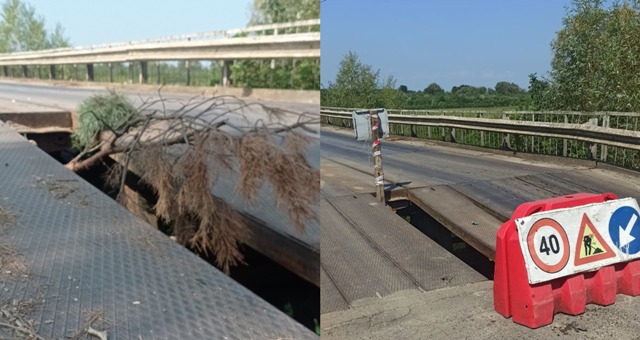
x=624 y=229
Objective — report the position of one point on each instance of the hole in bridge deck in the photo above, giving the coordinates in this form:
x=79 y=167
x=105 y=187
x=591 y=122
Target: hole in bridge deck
x=443 y=236
x=264 y=277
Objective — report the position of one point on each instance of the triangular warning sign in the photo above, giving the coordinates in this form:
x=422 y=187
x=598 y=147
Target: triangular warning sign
x=590 y=246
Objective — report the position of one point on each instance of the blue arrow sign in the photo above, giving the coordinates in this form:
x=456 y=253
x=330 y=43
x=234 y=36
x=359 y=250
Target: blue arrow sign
x=624 y=229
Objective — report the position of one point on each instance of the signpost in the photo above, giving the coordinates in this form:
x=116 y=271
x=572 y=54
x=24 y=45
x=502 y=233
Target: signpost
x=373 y=125
x=378 y=173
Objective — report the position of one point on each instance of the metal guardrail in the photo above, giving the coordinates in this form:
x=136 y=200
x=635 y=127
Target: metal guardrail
x=447 y=112
x=628 y=139
x=307 y=45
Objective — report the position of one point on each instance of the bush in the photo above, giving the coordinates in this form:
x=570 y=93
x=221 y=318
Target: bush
x=99 y=113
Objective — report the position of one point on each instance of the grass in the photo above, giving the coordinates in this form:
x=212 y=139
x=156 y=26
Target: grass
x=288 y=309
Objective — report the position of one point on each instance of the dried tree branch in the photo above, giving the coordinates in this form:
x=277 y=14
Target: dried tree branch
x=182 y=153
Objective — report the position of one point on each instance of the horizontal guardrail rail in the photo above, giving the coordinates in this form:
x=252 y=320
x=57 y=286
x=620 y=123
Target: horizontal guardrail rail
x=611 y=137
x=454 y=112
x=288 y=40
x=588 y=133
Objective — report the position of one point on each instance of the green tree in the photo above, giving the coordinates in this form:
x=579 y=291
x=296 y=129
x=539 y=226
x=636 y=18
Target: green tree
x=277 y=11
x=468 y=90
x=403 y=89
x=10 y=26
x=299 y=74
x=355 y=83
x=57 y=38
x=388 y=96
x=539 y=92
x=21 y=29
x=596 y=58
x=503 y=87
x=359 y=85
x=433 y=89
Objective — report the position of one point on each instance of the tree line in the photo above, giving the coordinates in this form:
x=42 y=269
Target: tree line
x=595 y=67
x=359 y=85
x=596 y=60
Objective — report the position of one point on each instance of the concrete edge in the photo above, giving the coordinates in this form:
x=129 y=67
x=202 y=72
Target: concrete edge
x=285 y=95
x=375 y=304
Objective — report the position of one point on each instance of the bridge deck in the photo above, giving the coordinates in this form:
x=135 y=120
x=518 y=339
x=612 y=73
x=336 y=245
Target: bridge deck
x=471 y=193
x=368 y=251
x=475 y=210
x=33 y=118
x=71 y=255
x=460 y=215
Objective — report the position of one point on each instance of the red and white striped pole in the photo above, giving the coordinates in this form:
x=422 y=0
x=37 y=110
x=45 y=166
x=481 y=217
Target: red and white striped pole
x=377 y=158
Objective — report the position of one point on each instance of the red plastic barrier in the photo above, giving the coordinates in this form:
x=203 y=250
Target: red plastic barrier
x=534 y=305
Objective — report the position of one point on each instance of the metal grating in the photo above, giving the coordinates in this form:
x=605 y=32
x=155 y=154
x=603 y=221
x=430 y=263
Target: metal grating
x=86 y=253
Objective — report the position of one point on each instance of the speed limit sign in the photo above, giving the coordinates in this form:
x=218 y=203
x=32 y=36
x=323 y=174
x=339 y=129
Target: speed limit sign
x=548 y=245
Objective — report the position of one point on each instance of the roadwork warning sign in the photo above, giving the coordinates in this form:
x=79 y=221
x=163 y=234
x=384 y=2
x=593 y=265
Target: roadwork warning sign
x=590 y=246
x=563 y=242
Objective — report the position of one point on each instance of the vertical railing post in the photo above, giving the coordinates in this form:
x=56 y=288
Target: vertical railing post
x=564 y=141
x=603 y=149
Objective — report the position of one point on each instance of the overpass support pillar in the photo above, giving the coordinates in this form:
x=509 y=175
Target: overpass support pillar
x=158 y=72
x=187 y=66
x=293 y=72
x=52 y=72
x=144 y=72
x=130 y=72
x=110 y=65
x=5 y=71
x=273 y=71
x=89 y=76
x=25 y=71
x=226 y=73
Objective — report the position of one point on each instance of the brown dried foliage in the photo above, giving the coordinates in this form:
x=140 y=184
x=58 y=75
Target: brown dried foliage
x=15 y=322
x=12 y=265
x=254 y=152
x=200 y=220
x=295 y=182
x=221 y=231
x=7 y=218
x=113 y=176
x=183 y=175
x=158 y=174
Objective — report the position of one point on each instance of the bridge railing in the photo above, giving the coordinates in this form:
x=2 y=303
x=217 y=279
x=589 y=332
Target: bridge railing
x=303 y=26
x=611 y=137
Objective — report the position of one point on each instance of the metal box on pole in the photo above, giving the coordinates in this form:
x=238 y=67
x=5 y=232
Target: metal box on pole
x=362 y=124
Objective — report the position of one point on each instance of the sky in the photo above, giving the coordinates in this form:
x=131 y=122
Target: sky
x=109 y=21
x=450 y=42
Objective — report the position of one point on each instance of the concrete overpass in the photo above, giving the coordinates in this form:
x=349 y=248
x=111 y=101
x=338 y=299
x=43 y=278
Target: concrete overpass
x=296 y=40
